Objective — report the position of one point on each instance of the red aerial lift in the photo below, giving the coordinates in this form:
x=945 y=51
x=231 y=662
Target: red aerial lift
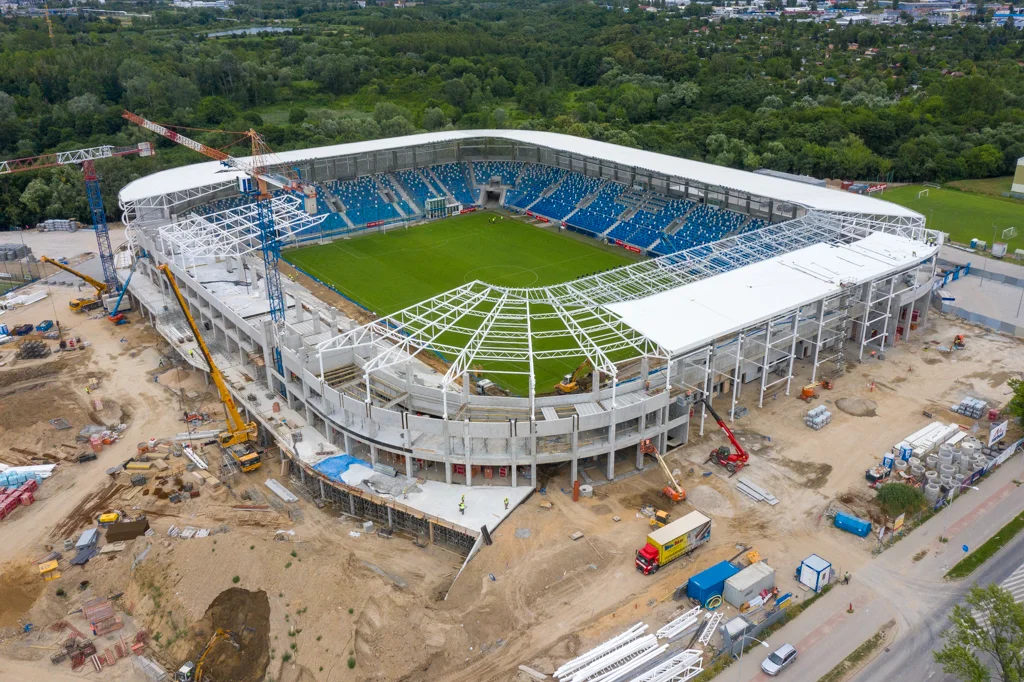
x=732 y=461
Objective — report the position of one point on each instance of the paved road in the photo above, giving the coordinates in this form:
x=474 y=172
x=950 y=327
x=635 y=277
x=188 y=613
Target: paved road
x=910 y=657
x=913 y=593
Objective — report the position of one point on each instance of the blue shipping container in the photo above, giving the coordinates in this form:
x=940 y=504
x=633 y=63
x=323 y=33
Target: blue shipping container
x=710 y=582
x=851 y=524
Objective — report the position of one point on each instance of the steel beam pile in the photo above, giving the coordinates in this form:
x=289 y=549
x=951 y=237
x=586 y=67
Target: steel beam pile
x=683 y=666
x=680 y=625
x=615 y=659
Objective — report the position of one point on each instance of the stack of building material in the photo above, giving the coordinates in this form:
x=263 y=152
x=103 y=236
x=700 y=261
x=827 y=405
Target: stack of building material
x=973 y=408
x=818 y=418
x=680 y=625
x=683 y=666
x=924 y=441
x=755 y=492
x=13 y=251
x=32 y=350
x=615 y=659
x=58 y=225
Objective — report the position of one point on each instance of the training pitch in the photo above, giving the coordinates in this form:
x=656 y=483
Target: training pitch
x=389 y=272
x=964 y=215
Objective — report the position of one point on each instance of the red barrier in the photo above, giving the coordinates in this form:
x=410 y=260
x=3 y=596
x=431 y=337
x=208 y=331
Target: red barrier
x=375 y=223
x=634 y=249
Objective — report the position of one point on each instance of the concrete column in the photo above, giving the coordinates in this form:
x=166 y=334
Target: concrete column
x=408 y=465
x=347 y=441
x=322 y=494
x=533 y=473
x=610 y=471
x=448 y=472
x=639 y=452
x=573 y=471
x=373 y=453
x=391 y=523
x=268 y=354
x=595 y=389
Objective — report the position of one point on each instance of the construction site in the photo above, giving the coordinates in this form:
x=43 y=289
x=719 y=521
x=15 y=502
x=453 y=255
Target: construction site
x=215 y=467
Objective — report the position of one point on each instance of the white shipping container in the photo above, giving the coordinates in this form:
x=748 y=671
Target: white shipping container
x=748 y=583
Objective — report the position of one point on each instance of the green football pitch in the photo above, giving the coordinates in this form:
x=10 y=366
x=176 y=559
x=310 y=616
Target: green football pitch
x=391 y=271
x=964 y=215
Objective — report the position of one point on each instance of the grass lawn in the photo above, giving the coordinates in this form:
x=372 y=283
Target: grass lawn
x=964 y=215
x=388 y=272
x=972 y=561
x=992 y=186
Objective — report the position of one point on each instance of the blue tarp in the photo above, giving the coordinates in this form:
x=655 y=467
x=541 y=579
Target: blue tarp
x=334 y=467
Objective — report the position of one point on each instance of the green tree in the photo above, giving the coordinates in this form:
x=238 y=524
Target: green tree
x=900 y=498
x=1016 y=405
x=974 y=652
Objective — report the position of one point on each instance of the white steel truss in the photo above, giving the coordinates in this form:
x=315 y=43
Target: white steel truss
x=683 y=666
x=235 y=231
x=504 y=330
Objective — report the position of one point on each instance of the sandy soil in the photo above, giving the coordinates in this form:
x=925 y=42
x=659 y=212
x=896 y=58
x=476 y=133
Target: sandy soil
x=305 y=602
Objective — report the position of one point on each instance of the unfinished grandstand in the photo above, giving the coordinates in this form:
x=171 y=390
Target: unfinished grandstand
x=747 y=278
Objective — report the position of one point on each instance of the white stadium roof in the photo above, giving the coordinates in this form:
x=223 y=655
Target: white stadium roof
x=199 y=175
x=694 y=314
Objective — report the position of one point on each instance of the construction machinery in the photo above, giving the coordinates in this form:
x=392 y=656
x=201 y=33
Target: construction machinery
x=673 y=491
x=580 y=379
x=81 y=304
x=265 y=172
x=193 y=672
x=238 y=438
x=115 y=316
x=660 y=518
x=808 y=392
x=86 y=158
x=722 y=456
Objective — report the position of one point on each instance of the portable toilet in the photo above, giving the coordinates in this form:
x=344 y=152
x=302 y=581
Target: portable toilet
x=710 y=582
x=814 y=572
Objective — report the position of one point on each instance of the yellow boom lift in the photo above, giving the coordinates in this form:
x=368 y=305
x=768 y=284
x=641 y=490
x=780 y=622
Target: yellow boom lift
x=673 y=491
x=81 y=304
x=237 y=439
x=579 y=380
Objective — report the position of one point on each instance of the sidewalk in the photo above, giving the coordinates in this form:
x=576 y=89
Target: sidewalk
x=893 y=585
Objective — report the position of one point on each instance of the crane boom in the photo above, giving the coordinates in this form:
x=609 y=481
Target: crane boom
x=238 y=431
x=256 y=168
x=86 y=158
x=100 y=287
x=78 y=156
x=728 y=432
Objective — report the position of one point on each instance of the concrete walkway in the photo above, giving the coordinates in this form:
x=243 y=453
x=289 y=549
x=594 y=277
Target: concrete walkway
x=894 y=586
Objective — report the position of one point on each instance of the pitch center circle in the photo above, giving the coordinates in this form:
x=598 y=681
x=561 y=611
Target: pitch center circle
x=503 y=275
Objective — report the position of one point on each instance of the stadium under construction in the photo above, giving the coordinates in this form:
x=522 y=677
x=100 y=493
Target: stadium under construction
x=748 y=281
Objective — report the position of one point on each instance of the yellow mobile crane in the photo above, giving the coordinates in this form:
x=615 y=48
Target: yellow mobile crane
x=81 y=304
x=238 y=437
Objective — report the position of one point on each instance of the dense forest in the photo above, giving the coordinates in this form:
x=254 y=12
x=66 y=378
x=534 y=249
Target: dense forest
x=906 y=102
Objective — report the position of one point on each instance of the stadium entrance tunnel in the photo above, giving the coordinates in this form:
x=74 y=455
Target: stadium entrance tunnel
x=491 y=198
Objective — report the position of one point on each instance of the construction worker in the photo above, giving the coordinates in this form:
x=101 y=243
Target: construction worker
x=463 y=500
x=506 y=503
x=191 y=352
x=846 y=578
x=462 y=508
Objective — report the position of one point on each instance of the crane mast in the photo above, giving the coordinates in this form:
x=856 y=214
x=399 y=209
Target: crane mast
x=87 y=159
x=258 y=185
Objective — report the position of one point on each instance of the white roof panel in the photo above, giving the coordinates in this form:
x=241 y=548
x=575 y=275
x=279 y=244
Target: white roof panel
x=820 y=198
x=694 y=314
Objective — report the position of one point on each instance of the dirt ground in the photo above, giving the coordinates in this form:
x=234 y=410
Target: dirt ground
x=310 y=598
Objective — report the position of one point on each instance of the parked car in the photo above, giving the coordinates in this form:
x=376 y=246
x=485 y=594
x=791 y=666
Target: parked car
x=22 y=329
x=44 y=326
x=779 y=659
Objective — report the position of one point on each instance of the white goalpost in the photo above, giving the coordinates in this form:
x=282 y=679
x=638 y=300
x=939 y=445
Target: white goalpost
x=1010 y=233
x=922 y=193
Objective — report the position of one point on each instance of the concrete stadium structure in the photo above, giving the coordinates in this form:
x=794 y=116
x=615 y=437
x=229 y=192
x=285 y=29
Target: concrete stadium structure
x=830 y=277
